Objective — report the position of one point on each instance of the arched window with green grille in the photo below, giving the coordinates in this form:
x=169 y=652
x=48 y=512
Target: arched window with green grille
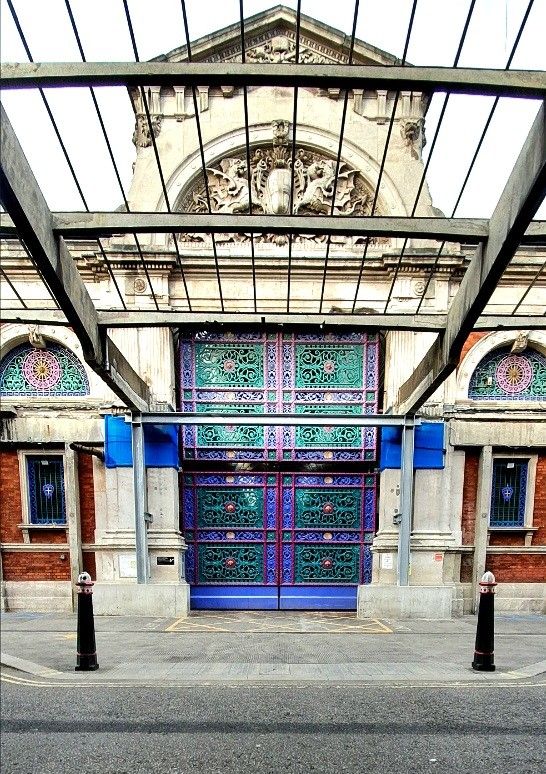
x=51 y=372
x=503 y=375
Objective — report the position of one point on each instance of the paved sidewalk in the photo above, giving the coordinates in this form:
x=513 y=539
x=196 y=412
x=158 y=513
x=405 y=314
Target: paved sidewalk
x=270 y=647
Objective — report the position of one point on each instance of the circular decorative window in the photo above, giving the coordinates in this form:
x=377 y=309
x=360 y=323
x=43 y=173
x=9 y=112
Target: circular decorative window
x=514 y=374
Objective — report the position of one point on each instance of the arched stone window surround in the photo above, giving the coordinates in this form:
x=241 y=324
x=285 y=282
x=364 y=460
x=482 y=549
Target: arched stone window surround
x=537 y=340
x=13 y=334
x=234 y=143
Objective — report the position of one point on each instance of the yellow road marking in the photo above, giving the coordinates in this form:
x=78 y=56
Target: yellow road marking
x=231 y=684
x=250 y=623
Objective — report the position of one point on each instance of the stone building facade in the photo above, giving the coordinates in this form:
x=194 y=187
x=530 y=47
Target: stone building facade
x=67 y=483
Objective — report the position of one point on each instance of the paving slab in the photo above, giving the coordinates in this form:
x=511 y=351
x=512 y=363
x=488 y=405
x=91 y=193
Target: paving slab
x=261 y=646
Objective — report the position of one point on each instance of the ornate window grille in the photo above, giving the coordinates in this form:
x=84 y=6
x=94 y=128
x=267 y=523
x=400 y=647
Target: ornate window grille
x=508 y=492
x=257 y=373
x=51 y=372
x=46 y=496
x=502 y=375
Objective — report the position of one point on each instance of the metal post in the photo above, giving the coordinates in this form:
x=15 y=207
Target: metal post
x=484 y=650
x=86 y=653
x=406 y=505
x=140 y=500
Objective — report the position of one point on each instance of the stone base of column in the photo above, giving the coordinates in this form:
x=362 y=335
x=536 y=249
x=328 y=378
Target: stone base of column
x=158 y=600
x=399 y=602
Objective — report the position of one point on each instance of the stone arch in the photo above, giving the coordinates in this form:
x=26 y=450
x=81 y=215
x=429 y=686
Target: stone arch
x=13 y=335
x=489 y=343
x=316 y=139
x=233 y=143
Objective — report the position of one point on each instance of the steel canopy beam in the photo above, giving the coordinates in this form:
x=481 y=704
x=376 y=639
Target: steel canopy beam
x=516 y=83
x=523 y=194
x=89 y=225
x=139 y=318
x=275 y=420
x=23 y=199
x=96 y=224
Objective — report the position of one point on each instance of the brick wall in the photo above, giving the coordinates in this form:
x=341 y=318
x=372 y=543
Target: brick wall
x=469 y=343
x=509 y=539
x=470 y=493
x=539 y=512
x=89 y=564
x=45 y=536
x=35 y=566
x=87 y=497
x=517 y=568
x=11 y=513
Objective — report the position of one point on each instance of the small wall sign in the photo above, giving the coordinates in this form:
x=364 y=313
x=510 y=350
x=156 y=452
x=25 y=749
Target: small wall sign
x=127 y=566
x=165 y=560
x=387 y=561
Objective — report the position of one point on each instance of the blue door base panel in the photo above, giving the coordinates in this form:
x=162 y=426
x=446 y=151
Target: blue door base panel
x=317 y=597
x=234 y=598
x=273 y=598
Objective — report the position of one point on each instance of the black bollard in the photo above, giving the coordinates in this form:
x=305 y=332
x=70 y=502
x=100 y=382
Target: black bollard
x=484 y=660
x=86 y=660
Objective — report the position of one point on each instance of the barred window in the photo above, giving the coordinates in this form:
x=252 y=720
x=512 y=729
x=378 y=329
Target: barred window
x=46 y=497
x=509 y=492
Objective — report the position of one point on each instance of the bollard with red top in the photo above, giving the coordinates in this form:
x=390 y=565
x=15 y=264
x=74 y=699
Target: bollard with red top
x=484 y=660
x=86 y=660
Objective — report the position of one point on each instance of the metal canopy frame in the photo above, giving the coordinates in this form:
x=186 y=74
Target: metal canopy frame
x=274 y=420
x=45 y=236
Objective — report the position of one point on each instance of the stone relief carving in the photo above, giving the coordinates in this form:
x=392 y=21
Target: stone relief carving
x=282 y=49
x=269 y=185
x=411 y=131
x=142 y=137
x=35 y=337
x=521 y=342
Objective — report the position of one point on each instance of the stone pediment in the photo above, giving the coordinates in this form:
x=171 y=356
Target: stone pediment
x=270 y=36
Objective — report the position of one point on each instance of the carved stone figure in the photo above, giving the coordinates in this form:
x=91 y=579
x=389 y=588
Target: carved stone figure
x=141 y=136
x=228 y=187
x=521 y=343
x=35 y=337
x=282 y=48
x=411 y=131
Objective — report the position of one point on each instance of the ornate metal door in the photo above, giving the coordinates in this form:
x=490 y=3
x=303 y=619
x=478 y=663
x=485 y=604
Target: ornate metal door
x=287 y=541
x=326 y=528
x=262 y=539
x=230 y=525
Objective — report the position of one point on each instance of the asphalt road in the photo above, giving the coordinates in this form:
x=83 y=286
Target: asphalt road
x=273 y=728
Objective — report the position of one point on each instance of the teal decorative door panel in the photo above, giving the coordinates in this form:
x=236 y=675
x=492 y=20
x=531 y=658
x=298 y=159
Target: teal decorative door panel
x=230 y=525
x=261 y=373
x=327 y=527
x=329 y=375
x=234 y=374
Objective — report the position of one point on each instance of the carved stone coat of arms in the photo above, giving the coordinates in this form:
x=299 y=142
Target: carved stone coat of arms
x=280 y=182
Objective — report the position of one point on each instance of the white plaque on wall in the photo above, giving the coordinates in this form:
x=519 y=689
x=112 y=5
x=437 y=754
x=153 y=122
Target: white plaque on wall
x=127 y=566
x=387 y=561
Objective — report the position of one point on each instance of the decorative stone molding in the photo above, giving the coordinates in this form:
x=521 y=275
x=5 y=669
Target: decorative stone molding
x=279 y=45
